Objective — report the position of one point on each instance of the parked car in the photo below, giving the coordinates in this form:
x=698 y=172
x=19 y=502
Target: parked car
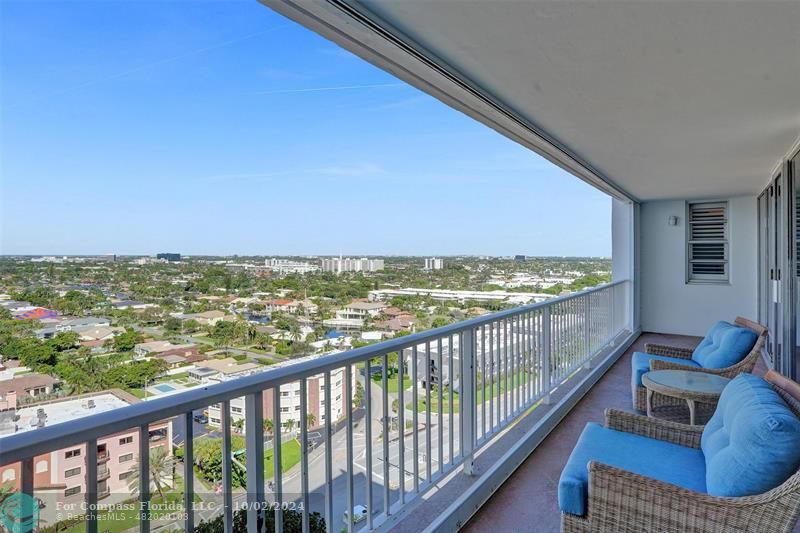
x=359 y=514
x=201 y=417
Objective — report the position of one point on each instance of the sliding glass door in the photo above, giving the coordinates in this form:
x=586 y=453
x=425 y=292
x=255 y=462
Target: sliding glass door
x=778 y=268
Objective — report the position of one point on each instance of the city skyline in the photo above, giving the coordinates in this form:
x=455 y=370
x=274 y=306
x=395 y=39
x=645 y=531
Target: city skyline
x=195 y=127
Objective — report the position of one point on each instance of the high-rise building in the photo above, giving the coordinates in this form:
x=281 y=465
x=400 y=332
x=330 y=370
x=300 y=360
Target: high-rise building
x=347 y=264
x=171 y=257
x=287 y=266
x=433 y=263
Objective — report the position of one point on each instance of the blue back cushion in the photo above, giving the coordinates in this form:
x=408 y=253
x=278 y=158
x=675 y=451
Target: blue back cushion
x=640 y=364
x=724 y=345
x=752 y=443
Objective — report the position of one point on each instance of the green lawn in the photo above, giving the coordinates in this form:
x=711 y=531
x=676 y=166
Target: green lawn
x=290 y=456
x=490 y=390
x=393 y=382
x=435 y=402
x=139 y=393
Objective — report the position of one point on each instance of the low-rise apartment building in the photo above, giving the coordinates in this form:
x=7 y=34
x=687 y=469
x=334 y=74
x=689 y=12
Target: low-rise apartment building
x=59 y=477
x=290 y=398
x=380 y=295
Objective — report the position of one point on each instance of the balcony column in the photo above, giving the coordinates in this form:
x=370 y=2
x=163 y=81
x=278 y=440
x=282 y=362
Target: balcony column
x=625 y=259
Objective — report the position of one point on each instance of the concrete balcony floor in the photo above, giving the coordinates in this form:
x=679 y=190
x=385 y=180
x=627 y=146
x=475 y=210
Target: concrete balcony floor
x=528 y=500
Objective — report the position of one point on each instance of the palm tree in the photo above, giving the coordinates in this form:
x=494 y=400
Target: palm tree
x=268 y=425
x=311 y=419
x=161 y=468
x=289 y=425
x=238 y=424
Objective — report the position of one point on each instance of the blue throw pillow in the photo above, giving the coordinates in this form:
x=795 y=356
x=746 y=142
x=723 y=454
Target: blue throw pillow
x=724 y=345
x=752 y=443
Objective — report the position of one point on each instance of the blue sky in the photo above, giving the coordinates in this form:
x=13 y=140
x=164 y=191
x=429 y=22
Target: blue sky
x=224 y=128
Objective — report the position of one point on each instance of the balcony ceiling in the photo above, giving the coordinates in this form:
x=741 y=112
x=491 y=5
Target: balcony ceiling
x=667 y=99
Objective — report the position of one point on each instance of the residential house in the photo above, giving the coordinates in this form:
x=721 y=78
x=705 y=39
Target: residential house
x=166 y=348
x=361 y=310
x=27 y=386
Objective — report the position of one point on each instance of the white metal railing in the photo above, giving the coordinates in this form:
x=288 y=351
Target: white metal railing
x=430 y=400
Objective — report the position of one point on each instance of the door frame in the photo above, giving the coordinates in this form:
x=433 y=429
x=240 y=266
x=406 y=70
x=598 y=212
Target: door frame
x=778 y=269
x=791 y=172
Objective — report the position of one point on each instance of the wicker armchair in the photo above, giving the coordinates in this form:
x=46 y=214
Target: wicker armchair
x=623 y=502
x=666 y=404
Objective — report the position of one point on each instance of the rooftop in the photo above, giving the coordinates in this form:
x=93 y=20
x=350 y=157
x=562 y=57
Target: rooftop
x=161 y=346
x=67 y=410
x=229 y=365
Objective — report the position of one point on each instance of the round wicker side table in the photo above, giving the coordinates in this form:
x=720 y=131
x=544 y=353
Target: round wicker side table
x=693 y=387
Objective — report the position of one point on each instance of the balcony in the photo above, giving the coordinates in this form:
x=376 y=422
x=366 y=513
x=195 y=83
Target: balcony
x=103 y=472
x=103 y=456
x=514 y=371
x=532 y=490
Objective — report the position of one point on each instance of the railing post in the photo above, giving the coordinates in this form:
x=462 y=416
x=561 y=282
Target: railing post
x=227 y=467
x=188 y=471
x=468 y=405
x=144 y=478
x=254 y=444
x=91 y=486
x=27 y=510
x=587 y=330
x=546 y=348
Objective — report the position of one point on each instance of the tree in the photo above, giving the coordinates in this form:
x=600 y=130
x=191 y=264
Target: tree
x=124 y=342
x=223 y=333
x=439 y=322
x=268 y=425
x=289 y=425
x=358 y=397
x=173 y=325
x=31 y=353
x=133 y=375
x=208 y=458
x=161 y=467
x=64 y=340
x=191 y=325
x=311 y=420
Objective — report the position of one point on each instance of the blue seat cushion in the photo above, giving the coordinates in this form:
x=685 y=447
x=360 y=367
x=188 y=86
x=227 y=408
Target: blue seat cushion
x=724 y=345
x=653 y=458
x=640 y=363
x=752 y=443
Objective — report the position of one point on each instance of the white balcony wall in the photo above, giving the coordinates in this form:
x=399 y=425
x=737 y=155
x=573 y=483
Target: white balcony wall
x=671 y=305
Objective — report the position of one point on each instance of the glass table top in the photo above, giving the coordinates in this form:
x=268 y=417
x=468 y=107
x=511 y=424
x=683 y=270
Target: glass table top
x=689 y=381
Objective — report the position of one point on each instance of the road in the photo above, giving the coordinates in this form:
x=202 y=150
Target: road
x=316 y=474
